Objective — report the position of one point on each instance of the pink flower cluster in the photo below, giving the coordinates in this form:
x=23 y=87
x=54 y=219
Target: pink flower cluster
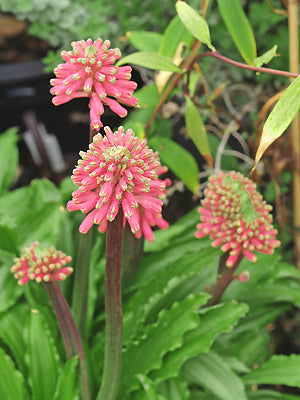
x=119 y=170
x=40 y=263
x=88 y=72
x=236 y=217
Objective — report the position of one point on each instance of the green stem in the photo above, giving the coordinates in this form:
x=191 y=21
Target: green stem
x=81 y=281
x=224 y=281
x=113 y=311
x=69 y=333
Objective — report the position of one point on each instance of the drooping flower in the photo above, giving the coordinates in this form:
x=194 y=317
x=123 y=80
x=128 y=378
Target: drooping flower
x=88 y=71
x=41 y=263
x=236 y=217
x=119 y=170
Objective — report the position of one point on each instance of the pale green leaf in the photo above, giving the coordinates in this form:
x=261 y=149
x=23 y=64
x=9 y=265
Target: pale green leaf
x=266 y=57
x=194 y=23
x=179 y=160
x=150 y=60
x=11 y=380
x=144 y=41
x=239 y=28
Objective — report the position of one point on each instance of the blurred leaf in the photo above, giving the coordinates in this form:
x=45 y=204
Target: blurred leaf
x=270 y=395
x=144 y=41
x=11 y=380
x=266 y=57
x=179 y=160
x=174 y=34
x=9 y=158
x=44 y=191
x=175 y=389
x=67 y=385
x=278 y=370
x=150 y=60
x=194 y=23
x=239 y=28
x=212 y=373
x=280 y=117
x=10 y=291
x=163 y=336
x=196 y=130
x=9 y=240
x=42 y=358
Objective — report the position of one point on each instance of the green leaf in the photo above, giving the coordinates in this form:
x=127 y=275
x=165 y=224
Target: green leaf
x=214 y=321
x=174 y=34
x=163 y=336
x=42 y=358
x=270 y=395
x=150 y=60
x=144 y=41
x=211 y=372
x=239 y=28
x=266 y=57
x=175 y=389
x=278 y=370
x=196 y=129
x=179 y=160
x=44 y=191
x=147 y=96
x=67 y=387
x=280 y=117
x=11 y=380
x=9 y=240
x=194 y=23
x=9 y=158
x=10 y=291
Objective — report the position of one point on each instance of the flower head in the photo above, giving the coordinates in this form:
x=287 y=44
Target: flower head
x=119 y=169
x=88 y=71
x=40 y=263
x=236 y=217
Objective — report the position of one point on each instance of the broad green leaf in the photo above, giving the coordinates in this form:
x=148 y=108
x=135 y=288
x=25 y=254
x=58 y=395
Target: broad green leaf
x=150 y=60
x=179 y=160
x=196 y=130
x=8 y=240
x=13 y=320
x=239 y=28
x=210 y=371
x=194 y=23
x=280 y=118
x=42 y=358
x=9 y=158
x=11 y=380
x=147 y=96
x=44 y=191
x=175 y=389
x=158 y=339
x=67 y=385
x=174 y=34
x=266 y=57
x=144 y=41
x=278 y=370
x=214 y=321
x=147 y=392
x=270 y=395
x=10 y=291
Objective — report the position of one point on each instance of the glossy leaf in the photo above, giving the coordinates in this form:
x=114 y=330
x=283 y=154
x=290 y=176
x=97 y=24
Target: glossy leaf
x=144 y=41
x=196 y=130
x=194 y=23
x=266 y=57
x=179 y=160
x=9 y=158
x=239 y=28
x=42 y=358
x=67 y=385
x=278 y=370
x=150 y=60
x=174 y=34
x=280 y=118
x=212 y=373
x=11 y=380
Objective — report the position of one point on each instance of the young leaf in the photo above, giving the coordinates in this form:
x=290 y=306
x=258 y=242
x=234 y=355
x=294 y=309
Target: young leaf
x=144 y=41
x=179 y=160
x=266 y=57
x=196 y=130
x=211 y=372
x=67 y=386
x=42 y=358
x=11 y=380
x=239 y=28
x=9 y=158
x=150 y=60
x=278 y=370
x=194 y=23
x=280 y=117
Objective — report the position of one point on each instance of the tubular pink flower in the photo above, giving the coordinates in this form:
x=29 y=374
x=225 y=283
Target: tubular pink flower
x=88 y=72
x=119 y=170
x=236 y=217
x=40 y=263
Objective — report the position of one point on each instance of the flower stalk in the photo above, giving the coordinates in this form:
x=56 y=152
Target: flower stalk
x=113 y=311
